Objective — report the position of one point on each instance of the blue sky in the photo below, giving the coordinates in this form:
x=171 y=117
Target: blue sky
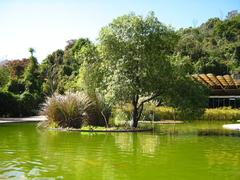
x=46 y=25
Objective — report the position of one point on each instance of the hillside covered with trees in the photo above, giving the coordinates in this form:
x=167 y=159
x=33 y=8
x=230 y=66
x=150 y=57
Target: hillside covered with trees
x=213 y=47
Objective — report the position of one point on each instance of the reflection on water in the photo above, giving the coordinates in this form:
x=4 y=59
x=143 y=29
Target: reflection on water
x=222 y=154
x=28 y=153
x=144 y=143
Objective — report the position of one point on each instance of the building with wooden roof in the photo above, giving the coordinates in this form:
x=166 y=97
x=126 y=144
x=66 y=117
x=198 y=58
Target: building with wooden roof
x=225 y=90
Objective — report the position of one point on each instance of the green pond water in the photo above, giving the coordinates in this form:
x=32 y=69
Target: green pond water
x=171 y=152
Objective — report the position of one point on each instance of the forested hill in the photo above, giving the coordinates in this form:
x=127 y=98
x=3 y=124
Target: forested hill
x=213 y=47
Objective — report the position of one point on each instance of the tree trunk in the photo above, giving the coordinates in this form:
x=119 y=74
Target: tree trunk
x=135 y=117
x=135 y=114
x=138 y=108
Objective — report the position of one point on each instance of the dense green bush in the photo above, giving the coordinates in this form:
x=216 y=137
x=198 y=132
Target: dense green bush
x=9 y=104
x=29 y=103
x=12 y=105
x=16 y=86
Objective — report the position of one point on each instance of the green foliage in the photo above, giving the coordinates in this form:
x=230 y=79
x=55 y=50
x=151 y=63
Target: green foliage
x=213 y=47
x=158 y=113
x=18 y=105
x=51 y=69
x=31 y=50
x=121 y=115
x=102 y=111
x=221 y=114
x=32 y=78
x=66 y=70
x=187 y=96
x=29 y=103
x=134 y=53
x=16 y=86
x=87 y=76
x=4 y=77
x=9 y=104
x=21 y=87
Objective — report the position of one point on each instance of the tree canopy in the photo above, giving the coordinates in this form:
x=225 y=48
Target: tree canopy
x=135 y=54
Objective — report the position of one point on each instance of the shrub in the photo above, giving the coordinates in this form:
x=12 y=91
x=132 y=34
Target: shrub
x=101 y=111
x=72 y=110
x=152 y=112
x=12 y=105
x=9 y=104
x=121 y=115
x=223 y=114
x=16 y=87
x=29 y=103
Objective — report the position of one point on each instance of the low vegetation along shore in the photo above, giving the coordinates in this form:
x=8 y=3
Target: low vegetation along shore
x=155 y=113
x=79 y=111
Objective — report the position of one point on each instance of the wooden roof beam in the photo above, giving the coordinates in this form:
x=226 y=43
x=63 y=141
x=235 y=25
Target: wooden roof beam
x=236 y=81
x=223 y=81
x=207 y=80
x=197 y=78
x=229 y=80
x=215 y=80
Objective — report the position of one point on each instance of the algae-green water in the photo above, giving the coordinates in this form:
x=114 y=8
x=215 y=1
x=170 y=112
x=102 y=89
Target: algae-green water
x=171 y=152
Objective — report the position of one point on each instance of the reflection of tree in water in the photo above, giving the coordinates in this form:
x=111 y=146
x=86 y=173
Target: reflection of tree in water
x=137 y=142
x=124 y=141
x=74 y=154
x=149 y=143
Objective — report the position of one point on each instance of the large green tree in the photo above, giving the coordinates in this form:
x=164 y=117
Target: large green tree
x=135 y=65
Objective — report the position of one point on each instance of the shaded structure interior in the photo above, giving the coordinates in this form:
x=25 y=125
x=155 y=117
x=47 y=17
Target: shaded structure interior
x=225 y=89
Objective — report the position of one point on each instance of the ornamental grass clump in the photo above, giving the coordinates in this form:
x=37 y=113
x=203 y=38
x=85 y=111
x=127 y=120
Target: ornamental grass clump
x=69 y=110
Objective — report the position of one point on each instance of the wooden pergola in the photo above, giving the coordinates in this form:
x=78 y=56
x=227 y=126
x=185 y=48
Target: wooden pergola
x=225 y=90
